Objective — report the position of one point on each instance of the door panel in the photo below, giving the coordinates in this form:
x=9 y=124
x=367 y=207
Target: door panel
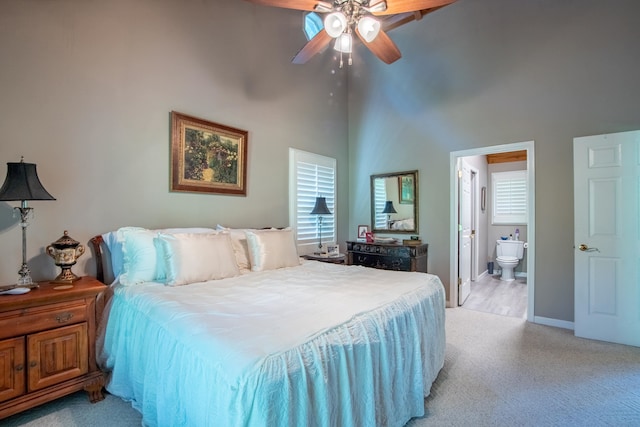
x=464 y=244
x=607 y=233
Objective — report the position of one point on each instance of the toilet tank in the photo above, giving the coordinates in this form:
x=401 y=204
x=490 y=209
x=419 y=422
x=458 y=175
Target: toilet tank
x=510 y=248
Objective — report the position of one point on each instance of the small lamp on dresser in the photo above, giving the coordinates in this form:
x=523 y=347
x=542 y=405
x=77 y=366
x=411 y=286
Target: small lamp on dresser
x=22 y=184
x=389 y=209
x=320 y=209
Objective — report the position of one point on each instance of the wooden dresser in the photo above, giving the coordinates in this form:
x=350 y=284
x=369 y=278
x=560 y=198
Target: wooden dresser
x=388 y=256
x=47 y=344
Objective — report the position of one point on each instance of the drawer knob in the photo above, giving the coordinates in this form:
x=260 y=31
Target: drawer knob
x=33 y=364
x=64 y=317
x=19 y=367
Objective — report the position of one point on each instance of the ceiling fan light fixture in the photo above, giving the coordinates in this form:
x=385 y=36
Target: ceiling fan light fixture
x=369 y=28
x=343 y=43
x=380 y=6
x=335 y=23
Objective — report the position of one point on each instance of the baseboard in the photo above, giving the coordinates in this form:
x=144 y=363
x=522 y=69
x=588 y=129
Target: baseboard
x=564 y=324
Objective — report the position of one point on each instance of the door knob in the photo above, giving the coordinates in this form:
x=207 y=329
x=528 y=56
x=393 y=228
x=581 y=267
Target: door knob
x=586 y=248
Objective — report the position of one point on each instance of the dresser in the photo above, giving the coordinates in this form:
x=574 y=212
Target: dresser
x=47 y=344
x=388 y=256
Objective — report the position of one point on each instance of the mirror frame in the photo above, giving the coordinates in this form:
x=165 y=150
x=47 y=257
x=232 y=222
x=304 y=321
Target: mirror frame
x=414 y=173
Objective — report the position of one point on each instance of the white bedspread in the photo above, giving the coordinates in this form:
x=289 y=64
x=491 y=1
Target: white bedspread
x=319 y=344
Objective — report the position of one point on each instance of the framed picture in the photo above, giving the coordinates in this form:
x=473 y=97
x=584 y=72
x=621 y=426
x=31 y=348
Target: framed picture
x=405 y=189
x=362 y=232
x=207 y=157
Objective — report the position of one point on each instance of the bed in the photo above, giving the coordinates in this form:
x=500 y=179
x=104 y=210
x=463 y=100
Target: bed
x=272 y=340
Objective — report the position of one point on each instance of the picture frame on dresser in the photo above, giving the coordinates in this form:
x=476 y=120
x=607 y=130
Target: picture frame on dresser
x=362 y=232
x=207 y=157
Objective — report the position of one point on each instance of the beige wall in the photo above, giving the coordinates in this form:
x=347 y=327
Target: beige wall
x=480 y=73
x=87 y=87
x=86 y=92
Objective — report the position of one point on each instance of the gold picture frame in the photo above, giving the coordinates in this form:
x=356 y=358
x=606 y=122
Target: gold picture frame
x=207 y=157
x=405 y=189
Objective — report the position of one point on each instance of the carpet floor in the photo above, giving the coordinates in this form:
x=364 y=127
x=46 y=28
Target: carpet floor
x=499 y=371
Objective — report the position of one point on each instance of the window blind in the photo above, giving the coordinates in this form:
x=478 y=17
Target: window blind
x=312 y=176
x=509 y=197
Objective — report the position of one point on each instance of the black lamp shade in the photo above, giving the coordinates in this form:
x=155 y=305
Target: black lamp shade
x=388 y=207
x=22 y=183
x=321 y=207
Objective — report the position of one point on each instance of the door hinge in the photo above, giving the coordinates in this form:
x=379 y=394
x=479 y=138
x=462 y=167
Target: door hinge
x=459 y=281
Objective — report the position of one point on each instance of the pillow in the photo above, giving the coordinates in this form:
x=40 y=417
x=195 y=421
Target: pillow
x=140 y=259
x=240 y=248
x=196 y=257
x=271 y=249
x=114 y=241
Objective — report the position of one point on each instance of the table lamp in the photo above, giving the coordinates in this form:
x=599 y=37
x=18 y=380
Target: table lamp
x=320 y=209
x=389 y=209
x=22 y=184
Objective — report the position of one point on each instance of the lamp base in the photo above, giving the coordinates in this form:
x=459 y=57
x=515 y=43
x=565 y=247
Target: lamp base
x=25 y=279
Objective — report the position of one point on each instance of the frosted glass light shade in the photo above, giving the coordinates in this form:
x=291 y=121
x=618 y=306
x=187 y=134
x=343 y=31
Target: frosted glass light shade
x=369 y=28
x=343 y=43
x=335 y=23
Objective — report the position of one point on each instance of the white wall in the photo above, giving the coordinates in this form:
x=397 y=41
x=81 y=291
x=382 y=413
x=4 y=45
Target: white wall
x=87 y=88
x=479 y=73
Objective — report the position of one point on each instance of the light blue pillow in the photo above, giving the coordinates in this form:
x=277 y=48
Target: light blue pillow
x=114 y=242
x=140 y=257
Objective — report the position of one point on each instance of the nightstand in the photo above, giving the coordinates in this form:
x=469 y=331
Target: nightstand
x=47 y=344
x=334 y=259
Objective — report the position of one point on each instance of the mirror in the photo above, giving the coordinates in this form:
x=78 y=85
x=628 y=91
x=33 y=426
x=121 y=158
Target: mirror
x=394 y=202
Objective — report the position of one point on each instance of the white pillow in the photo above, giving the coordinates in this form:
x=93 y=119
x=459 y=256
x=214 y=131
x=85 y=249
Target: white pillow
x=271 y=249
x=115 y=243
x=196 y=257
x=240 y=248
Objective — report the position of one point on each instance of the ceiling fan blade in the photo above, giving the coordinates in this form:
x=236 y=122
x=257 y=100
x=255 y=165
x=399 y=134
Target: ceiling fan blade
x=289 y=4
x=382 y=47
x=401 y=6
x=390 y=22
x=314 y=46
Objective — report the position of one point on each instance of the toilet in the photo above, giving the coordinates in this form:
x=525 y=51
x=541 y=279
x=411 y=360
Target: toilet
x=509 y=253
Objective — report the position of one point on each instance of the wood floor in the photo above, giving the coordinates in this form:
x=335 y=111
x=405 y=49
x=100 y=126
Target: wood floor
x=493 y=295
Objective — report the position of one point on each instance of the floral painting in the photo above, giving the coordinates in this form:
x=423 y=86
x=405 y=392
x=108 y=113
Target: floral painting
x=207 y=157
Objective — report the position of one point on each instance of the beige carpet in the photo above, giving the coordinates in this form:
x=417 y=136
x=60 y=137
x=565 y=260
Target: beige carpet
x=499 y=371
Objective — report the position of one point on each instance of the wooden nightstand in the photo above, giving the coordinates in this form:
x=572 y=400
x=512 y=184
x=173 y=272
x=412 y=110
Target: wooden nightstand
x=334 y=259
x=47 y=344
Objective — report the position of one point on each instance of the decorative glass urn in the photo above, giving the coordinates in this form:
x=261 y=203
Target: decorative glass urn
x=65 y=252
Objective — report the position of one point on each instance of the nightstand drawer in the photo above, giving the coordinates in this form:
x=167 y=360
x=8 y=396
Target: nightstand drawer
x=26 y=321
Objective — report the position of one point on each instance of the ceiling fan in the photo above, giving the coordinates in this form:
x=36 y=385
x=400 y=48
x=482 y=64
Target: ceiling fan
x=345 y=17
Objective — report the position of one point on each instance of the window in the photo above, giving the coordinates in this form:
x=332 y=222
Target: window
x=310 y=176
x=509 y=197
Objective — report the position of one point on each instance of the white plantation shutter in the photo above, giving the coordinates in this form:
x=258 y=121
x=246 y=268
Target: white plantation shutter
x=509 y=197
x=380 y=197
x=311 y=176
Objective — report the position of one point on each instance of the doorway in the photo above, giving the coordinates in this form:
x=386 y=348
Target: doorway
x=456 y=226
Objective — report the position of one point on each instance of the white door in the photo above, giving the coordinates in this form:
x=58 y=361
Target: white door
x=464 y=243
x=607 y=237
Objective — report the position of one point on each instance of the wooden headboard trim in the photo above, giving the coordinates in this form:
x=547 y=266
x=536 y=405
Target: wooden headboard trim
x=97 y=242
